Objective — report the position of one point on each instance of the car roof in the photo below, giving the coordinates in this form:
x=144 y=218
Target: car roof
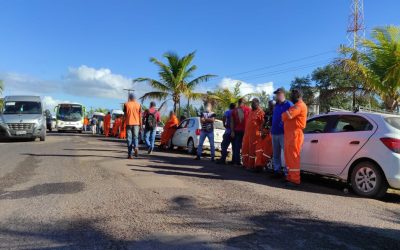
x=368 y=114
x=26 y=98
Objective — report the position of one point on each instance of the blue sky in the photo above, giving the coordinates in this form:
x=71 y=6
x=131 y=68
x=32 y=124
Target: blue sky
x=87 y=51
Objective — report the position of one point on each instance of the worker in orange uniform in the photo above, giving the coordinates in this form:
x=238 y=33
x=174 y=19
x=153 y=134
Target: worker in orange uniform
x=122 y=130
x=85 y=123
x=252 y=135
x=169 y=129
x=107 y=123
x=116 y=126
x=294 y=121
x=264 y=147
x=133 y=116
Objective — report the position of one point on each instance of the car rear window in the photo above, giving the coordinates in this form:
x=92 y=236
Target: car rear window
x=393 y=121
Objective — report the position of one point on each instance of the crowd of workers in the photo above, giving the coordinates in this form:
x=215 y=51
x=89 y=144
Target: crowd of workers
x=257 y=136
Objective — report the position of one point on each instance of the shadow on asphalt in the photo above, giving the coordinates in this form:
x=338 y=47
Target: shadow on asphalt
x=74 y=156
x=181 y=166
x=271 y=230
x=45 y=189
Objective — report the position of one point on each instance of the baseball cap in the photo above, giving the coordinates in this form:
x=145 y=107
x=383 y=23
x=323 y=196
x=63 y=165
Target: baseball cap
x=279 y=90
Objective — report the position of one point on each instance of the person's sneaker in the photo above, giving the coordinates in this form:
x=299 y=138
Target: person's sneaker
x=130 y=157
x=197 y=158
x=149 y=151
x=136 y=152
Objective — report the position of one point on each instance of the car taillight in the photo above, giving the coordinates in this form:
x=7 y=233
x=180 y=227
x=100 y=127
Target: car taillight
x=198 y=131
x=392 y=144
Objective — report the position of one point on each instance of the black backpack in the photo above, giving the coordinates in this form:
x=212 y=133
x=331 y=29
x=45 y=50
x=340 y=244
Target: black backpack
x=151 y=121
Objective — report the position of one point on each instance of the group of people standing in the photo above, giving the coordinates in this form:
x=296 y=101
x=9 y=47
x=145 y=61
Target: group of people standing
x=256 y=136
x=259 y=136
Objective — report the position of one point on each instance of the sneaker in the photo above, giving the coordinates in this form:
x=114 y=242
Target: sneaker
x=197 y=158
x=149 y=151
x=130 y=157
x=136 y=152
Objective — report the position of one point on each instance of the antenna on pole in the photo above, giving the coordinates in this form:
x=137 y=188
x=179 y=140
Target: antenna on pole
x=356 y=27
x=129 y=91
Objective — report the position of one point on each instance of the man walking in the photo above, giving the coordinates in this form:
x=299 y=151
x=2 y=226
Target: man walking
x=277 y=131
x=133 y=118
x=94 y=125
x=207 y=119
x=252 y=136
x=238 y=124
x=151 y=119
x=227 y=135
x=295 y=120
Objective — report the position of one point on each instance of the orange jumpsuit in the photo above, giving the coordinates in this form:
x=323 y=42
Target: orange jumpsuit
x=169 y=130
x=122 y=133
x=294 y=121
x=252 y=137
x=264 y=150
x=116 y=126
x=107 y=122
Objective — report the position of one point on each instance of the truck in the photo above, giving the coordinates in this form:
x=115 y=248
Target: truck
x=69 y=117
x=22 y=117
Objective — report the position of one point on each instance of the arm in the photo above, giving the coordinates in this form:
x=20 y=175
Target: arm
x=291 y=113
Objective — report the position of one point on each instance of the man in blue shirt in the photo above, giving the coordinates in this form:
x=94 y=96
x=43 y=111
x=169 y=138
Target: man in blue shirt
x=227 y=139
x=282 y=105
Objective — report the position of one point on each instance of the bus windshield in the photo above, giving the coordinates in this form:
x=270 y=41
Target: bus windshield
x=21 y=107
x=71 y=113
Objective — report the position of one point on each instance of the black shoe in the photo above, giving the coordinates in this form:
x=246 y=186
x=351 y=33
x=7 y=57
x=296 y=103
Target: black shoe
x=197 y=158
x=149 y=151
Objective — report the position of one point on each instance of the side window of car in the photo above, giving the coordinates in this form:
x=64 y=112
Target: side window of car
x=191 y=123
x=317 y=125
x=352 y=123
x=183 y=124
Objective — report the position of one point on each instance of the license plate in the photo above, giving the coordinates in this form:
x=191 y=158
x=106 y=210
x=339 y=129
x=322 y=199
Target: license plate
x=20 y=132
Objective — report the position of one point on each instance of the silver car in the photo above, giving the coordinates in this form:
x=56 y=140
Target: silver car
x=22 y=117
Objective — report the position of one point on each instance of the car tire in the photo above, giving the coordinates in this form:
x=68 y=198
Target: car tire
x=367 y=180
x=190 y=147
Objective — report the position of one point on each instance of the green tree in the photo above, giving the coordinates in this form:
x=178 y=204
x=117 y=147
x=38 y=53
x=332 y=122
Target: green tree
x=175 y=80
x=264 y=98
x=305 y=85
x=101 y=110
x=378 y=65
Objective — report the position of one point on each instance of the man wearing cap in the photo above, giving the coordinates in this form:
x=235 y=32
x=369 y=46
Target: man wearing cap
x=133 y=118
x=277 y=129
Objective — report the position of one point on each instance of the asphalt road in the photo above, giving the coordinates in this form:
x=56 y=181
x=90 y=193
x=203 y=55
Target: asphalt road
x=79 y=192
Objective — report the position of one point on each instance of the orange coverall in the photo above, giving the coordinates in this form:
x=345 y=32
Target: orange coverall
x=252 y=137
x=294 y=121
x=169 y=130
x=107 y=122
x=264 y=150
x=116 y=126
x=122 y=133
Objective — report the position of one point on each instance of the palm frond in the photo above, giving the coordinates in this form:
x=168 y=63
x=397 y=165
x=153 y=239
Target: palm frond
x=154 y=95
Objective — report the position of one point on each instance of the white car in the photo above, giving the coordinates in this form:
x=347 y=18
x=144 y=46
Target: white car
x=188 y=134
x=360 y=148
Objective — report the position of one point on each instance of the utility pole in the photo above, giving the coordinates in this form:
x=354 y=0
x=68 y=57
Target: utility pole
x=129 y=91
x=356 y=32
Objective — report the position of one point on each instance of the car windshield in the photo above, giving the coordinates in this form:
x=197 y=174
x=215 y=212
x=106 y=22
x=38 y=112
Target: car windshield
x=22 y=107
x=393 y=121
x=70 y=113
x=219 y=124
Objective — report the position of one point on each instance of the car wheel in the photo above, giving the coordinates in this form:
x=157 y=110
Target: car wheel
x=190 y=147
x=367 y=180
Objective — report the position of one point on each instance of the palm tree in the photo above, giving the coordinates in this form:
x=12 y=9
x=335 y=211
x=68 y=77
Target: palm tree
x=378 y=66
x=175 y=80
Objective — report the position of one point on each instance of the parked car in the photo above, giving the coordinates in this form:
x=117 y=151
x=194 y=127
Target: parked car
x=22 y=117
x=188 y=134
x=362 y=149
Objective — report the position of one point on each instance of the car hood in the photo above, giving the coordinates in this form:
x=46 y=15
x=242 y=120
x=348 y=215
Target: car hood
x=20 y=118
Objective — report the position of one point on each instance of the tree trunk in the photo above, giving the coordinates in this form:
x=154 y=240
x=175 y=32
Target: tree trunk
x=188 y=108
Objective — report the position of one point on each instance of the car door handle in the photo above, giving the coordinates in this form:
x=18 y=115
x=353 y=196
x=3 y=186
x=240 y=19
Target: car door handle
x=314 y=141
x=355 y=142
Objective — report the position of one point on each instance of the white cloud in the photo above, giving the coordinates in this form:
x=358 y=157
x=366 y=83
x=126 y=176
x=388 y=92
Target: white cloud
x=21 y=84
x=50 y=103
x=247 y=88
x=91 y=82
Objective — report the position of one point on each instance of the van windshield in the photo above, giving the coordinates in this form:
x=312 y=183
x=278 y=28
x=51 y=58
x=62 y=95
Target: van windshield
x=393 y=121
x=22 y=107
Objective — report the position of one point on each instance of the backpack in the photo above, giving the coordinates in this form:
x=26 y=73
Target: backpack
x=151 y=121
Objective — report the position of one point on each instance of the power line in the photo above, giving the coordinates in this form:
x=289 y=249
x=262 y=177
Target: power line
x=283 y=63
